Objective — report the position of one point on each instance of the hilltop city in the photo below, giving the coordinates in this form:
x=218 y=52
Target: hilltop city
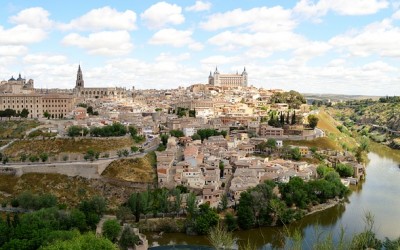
x=205 y=146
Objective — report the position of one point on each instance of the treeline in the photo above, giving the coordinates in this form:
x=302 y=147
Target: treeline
x=162 y=202
x=276 y=119
x=203 y=134
x=50 y=225
x=113 y=130
x=389 y=99
x=13 y=113
x=261 y=206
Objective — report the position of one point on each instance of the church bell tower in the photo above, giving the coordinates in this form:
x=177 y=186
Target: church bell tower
x=80 y=83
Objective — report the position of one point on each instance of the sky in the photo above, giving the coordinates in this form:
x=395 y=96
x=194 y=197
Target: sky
x=311 y=46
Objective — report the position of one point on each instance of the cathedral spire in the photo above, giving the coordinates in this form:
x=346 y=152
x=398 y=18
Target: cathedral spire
x=79 y=78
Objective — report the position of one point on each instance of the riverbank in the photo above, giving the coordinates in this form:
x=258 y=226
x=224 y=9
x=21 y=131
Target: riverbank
x=322 y=207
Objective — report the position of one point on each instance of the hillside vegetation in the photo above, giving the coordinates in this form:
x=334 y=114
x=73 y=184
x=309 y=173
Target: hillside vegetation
x=385 y=112
x=16 y=129
x=56 y=146
x=338 y=136
x=135 y=170
x=68 y=190
x=382 y=114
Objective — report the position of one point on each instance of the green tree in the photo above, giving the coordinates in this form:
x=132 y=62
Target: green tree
x=206 y=219
x=123 y=213
x=230 y=222
x=44 y=156
x=87 y=241
x=164 y=139
x=134 y=149
x=245 y=213
x=344 y=170
x=128 y=239
x=293 y=122
x=191 y=206
x=9 y=113
x=74 y=131
x=271 y=143
x=89 y=110
x=111 y=230
x=295 y=153
x=23 y=157
x=312 y=121
x=223 y=205
x=196 y=137
x=91 y=155
x=24 y=113
x=125 y=152
x=323 y=170
x=135 y=205
x=176 y=133
x=46 y=114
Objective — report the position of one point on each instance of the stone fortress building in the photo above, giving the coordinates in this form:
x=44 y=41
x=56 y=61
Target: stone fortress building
x=19 y=94
x=228 y=80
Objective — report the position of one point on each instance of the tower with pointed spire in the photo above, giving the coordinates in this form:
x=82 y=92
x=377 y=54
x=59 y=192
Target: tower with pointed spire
x=228 y=80
x=80 y=83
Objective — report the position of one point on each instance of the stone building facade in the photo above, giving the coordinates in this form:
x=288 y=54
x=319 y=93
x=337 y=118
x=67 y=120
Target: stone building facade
x=57 y=106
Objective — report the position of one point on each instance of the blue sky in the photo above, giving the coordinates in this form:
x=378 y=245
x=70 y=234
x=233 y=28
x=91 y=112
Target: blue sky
x=325 y=46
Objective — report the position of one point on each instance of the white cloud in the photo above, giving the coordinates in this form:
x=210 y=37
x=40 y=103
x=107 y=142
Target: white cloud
x=310 y=9
x=13 y=50
x=278 y=41
x=110 y=43
x=256 y=19
x=175 y=38
x=44 y=58
x=105 y=18
x=379 y=66
x=312 y=49
x=36 y=17
x=213 y=61
x=21 y=34
x=396 y=15
x=199 y=6
x=169 y=57
x=380 y=38
x=161 y=14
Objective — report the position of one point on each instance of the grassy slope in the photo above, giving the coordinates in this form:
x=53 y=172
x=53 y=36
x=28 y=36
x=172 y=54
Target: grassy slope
x=334 y=138
x=329 y=125
x=68 y=190
x=56 y=146
x=16 y=129
x=135 y=170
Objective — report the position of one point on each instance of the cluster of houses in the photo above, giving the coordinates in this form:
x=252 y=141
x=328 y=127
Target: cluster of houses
x=221 y=165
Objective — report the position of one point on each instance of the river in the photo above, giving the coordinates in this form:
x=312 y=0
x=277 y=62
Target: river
x=378 y=194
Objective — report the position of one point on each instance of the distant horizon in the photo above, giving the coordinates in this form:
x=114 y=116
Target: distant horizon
x=322 y=46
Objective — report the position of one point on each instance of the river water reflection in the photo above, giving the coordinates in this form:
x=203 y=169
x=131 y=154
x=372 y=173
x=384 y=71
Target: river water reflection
x=379 y=194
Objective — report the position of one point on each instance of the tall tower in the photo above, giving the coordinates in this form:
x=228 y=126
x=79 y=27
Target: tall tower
x=244 y=78
x=80 y=83
x=216 y=77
